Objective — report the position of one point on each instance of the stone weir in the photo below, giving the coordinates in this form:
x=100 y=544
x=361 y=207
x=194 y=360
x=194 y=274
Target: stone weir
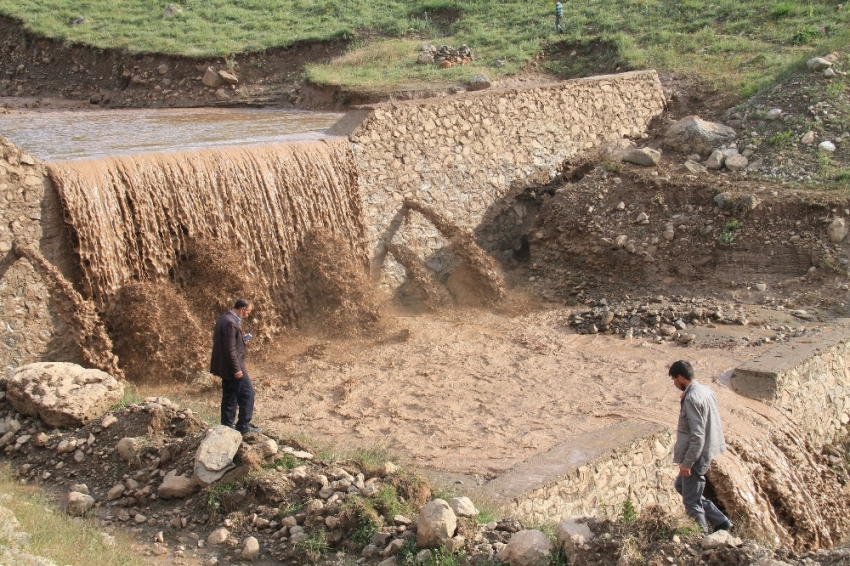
x=135 y=218
x=462 y=154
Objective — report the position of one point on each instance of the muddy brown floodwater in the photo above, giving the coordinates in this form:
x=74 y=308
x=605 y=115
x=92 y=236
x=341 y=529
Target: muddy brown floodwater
x=474 y=391
x=98 y=133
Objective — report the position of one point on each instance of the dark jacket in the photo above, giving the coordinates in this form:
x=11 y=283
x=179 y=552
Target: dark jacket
x=228 y=353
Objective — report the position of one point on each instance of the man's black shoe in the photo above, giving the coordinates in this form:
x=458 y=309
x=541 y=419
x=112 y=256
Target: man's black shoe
x=727 y=526
x=248 y=428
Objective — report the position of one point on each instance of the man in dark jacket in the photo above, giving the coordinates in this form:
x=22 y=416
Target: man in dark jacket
x=228 y=363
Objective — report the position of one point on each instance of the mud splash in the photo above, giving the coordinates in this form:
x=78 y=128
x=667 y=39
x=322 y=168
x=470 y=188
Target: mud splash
x=480 y=272
x=135 y=218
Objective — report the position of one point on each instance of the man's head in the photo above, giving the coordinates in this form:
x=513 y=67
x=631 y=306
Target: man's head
x=242 y=307
x=682 y=373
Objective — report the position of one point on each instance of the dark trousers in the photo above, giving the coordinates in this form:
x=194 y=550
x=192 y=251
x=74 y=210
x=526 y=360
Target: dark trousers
x=237 y=393
x=698 y=507
x=558 y=24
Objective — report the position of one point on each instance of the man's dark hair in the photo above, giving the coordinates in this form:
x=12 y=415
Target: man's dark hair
x=241 y=304
x=683 y=369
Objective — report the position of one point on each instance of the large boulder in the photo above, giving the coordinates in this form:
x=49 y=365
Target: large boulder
x=478 y=82
x=62 y=394
x=692 y=134
x=435 y=525
x=527 y=548
x=214 y=457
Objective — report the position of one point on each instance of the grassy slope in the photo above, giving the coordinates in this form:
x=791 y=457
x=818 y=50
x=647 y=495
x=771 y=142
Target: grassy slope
x=740 y=44
x=54 y=535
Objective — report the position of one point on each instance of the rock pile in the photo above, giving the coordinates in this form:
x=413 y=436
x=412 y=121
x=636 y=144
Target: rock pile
x=445 y=56
x=655 y=317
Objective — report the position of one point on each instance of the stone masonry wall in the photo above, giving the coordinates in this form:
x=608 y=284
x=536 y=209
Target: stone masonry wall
x=461 y=154
x=810 y=384
x=30 y=213
x=640 y=470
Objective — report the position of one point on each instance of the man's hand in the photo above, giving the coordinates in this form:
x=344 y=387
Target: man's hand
x=238 y=375
x=683 y=471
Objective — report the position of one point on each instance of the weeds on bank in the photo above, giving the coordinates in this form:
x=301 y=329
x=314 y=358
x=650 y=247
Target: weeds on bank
x=131 y=397
x=55 y=535
x=729 y=232
x=629 y=514
x=315 y=546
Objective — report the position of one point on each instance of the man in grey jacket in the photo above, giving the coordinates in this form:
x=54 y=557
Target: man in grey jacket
x=699 y=438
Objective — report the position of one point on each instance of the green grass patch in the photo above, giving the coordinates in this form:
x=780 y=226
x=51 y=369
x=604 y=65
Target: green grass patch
x=786 y=138
x=55 y=535
x=286 y=461
x=214 y=495
x=741 y=45
x=131 y=397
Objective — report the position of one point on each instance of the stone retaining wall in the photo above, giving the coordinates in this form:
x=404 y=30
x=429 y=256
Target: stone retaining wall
x=634 y=463
x=462 y=154
x=809 y=383
x=30 y=328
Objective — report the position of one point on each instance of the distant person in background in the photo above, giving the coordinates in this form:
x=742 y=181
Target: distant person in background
x=699 y=439
x=559 y=13
x=228 y=363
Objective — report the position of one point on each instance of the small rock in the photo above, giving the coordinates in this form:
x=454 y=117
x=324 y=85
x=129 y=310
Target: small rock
x=128 y=449
x=218 y=536
x=435 y=525
x=808 y=138
x=837 y=230
x=251 y=550
x=736 y=163
x=641 y=218
x=478 y=82
x=715 y=160
x=462 y=506
x=78 y=504
x=80 y=488
x=108 y=421
x=229 y=78
x=750 y=202
x=773 y=114
x=162 y=69
x=818 y=64
x=645 y=157
x=527 y=548
x=212 y=79
x=761 y=287
x=40 y=440
x=171 y=10
x=115 y=492
x=694 y=167
x=176 y=487
x=721 y=198
x=829 y=73
x=826 y=146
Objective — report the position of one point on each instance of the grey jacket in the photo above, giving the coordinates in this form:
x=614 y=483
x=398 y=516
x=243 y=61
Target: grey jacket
x=699 y=436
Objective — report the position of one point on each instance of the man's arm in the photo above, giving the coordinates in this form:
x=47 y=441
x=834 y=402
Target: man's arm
x=230 y=348
x=697 y=417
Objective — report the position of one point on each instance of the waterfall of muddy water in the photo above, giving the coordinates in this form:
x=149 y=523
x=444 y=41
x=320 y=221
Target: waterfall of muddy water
x=102 y=133
x=135 y=217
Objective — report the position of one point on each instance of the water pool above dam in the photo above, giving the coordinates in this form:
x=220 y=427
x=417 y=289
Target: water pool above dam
x=60 y=136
